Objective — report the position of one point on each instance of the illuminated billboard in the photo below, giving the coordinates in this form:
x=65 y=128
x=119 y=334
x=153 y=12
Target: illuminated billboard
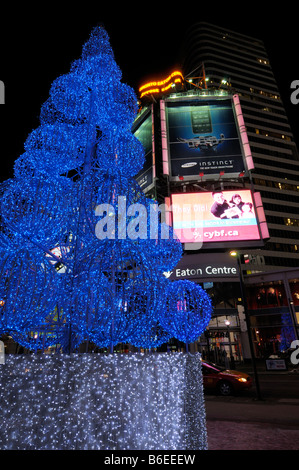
x=143 y=130
x=203 y=137
x=213 y=217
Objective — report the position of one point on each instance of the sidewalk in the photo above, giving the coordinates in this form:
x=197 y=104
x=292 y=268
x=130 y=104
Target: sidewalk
x=247 y=424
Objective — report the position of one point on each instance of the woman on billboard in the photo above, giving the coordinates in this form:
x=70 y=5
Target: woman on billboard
x=222 y=209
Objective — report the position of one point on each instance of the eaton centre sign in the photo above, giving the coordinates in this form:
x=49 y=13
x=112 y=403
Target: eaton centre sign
x=204 y=266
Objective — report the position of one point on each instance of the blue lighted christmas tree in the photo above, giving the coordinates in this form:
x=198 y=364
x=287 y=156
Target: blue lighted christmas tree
x=82 y=249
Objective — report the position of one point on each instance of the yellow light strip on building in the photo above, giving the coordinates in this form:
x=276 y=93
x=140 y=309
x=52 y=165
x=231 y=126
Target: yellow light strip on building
x=155 y=87
x=150 y=91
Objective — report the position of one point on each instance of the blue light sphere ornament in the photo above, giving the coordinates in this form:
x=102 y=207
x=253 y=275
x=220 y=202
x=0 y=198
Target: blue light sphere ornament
x=29 y=288
x=187 y=311
x=116 y=298
x=124 y=148
x=57 y=147
x=165 y=248
x=37 y=210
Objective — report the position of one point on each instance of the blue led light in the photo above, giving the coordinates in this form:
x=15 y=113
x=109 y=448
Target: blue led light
x=82 y=254
x=188 y=310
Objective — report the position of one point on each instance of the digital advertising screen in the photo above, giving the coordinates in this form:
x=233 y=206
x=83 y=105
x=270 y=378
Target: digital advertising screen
x=203 y=138
x=222 y=216
x=143 y=130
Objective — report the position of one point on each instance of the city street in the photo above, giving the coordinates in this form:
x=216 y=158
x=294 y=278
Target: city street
x=275 y=386
x=242 y=422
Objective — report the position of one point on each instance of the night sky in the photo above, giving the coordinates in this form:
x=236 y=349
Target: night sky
x=39 y=44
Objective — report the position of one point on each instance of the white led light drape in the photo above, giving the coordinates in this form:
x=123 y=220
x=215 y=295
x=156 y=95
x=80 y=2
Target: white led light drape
x=102 y=402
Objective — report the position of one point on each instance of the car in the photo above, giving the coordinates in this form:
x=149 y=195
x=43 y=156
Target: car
x=224 y=381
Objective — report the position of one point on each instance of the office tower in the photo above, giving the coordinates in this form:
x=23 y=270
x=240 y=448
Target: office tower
x=240 y=64
x=191 y=139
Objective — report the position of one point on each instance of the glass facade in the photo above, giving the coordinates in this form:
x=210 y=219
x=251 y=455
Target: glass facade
x=273 y=310
x=273 y=303
x=222 y=341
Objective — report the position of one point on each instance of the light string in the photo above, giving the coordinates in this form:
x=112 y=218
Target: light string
x=102 y=402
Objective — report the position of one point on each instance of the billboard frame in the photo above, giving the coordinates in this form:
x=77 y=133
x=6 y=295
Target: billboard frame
x=261 y=226
x=245 y=153
x=146 y=113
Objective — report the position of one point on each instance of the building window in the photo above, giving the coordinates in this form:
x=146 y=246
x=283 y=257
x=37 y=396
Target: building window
x=263 y=61
x=264 y=93
x=291 y=222
x=276 y=135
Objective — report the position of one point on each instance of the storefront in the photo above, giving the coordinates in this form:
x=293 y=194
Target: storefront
x=218 y=274
x=273 y=307
x=272 y=302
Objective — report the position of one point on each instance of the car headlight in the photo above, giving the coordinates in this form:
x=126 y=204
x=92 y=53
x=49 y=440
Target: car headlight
x=242 y=379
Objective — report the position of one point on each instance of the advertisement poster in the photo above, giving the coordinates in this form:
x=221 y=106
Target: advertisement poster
x=143 y=131
x=203 y=138
x=214 y=217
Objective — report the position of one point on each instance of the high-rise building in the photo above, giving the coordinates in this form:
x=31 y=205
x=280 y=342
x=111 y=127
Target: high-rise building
x=196 y=143
x=240 y=64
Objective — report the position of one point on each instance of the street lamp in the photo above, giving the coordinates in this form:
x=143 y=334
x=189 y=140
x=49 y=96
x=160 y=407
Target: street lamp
x=236 y=255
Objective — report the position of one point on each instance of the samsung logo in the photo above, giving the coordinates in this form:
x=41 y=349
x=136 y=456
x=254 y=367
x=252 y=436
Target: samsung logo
x=188 y=165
